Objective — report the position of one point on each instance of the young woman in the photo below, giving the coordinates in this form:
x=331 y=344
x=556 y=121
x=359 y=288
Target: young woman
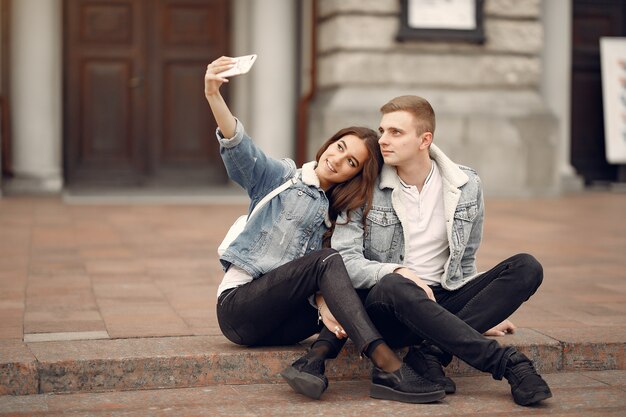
x=279 y=280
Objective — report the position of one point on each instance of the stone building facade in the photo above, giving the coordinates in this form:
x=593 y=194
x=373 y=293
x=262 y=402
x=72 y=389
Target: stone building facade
x=490 y=111
x=502 y=107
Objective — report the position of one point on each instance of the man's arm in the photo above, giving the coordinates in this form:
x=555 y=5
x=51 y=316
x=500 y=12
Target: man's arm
x=348 y=238
x=408 y=274
x=468 y=262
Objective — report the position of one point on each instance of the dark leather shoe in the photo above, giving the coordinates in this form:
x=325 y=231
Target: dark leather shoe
x=306 y=376
x=429 y=367
x=527 y=386
x=404 y=385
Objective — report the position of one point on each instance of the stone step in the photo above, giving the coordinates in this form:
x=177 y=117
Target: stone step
x=178 y=362
x=575 y=394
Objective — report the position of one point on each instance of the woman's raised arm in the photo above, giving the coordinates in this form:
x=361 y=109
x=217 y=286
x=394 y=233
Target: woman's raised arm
x=212 y=82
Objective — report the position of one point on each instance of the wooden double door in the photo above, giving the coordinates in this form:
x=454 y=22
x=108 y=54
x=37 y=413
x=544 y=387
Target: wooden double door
x=134 y=107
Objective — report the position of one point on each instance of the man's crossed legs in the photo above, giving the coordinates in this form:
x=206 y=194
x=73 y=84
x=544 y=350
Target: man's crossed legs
x=434 y=332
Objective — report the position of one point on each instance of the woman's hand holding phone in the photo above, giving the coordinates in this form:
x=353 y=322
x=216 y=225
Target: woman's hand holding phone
x=242 y=65
x=218 y=71
x=212 y=78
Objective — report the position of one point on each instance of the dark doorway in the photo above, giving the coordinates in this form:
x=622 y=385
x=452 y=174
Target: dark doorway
x=134 y=108
x=592 y=19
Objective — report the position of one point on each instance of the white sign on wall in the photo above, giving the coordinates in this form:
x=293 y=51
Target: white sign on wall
x=450 y=14
x=613 y=60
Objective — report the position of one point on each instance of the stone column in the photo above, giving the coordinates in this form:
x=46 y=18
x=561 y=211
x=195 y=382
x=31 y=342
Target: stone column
x=36 y=94
x=556 y=82
x=272 y=79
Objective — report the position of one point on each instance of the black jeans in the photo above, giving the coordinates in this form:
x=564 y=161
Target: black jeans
x=275 y=309
x=405 y=316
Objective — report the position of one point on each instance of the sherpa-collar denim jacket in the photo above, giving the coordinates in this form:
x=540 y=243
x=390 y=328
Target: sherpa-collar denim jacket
x=379 y=250
x=289 y=225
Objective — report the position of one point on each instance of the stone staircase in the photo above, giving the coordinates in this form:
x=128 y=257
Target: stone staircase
x=177 y=362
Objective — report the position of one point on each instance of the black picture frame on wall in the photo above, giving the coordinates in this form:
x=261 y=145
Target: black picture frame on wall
x=441 y=20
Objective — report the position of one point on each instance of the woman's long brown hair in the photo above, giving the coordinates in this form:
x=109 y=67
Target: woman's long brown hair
x=359 y=190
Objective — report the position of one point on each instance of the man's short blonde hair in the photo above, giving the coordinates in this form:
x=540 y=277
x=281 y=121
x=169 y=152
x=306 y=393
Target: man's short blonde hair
x=419 y=107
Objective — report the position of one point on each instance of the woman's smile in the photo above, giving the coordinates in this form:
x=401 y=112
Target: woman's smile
x=330 y=166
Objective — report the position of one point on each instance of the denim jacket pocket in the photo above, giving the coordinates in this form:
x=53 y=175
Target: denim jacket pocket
x=298 y=202
x=384 y=228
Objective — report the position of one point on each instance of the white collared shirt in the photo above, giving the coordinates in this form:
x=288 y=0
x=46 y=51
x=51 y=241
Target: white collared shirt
x=427 y=247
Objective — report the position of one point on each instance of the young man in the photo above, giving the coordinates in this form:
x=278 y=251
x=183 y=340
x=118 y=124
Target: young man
x=416 y=262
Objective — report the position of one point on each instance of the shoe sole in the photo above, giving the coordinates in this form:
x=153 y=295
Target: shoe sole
x=539 y=396
x=303 y=383
x=450 y=389
x=447 y=384
x=382 y=392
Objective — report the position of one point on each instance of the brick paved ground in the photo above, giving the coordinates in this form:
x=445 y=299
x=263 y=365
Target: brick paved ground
x=111 y=297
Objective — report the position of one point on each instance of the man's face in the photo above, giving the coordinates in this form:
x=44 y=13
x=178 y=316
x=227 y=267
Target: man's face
x=399 y=141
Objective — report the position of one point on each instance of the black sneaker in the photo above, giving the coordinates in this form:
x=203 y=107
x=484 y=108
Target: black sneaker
x=527 y=386
x=404 y=385
x=429 y=367
x=306 y=376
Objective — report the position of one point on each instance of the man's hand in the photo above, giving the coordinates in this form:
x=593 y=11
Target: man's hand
x=329 y=320
x=407 y=273
x=501 y=329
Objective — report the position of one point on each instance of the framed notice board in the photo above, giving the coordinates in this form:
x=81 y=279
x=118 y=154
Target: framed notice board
x=441 y=20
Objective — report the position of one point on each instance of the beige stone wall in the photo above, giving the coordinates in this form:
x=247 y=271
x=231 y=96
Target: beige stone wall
x=490 y=113
x=357 y=46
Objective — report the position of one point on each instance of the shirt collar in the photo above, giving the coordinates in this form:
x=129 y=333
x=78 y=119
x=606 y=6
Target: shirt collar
x=428 y=177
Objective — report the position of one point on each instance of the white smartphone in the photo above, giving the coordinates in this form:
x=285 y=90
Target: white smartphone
x=242 y=65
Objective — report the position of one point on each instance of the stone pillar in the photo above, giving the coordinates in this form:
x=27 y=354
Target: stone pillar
x=556 y=82
x=273 y=89
x=240 y=89
x=36 y=91
x=265 y=98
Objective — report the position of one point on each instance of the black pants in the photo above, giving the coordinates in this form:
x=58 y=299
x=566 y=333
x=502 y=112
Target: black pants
x=405 y=316
x=275 y=309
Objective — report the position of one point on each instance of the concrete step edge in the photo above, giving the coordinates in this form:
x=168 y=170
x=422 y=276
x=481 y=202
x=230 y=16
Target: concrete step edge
x=104 y=368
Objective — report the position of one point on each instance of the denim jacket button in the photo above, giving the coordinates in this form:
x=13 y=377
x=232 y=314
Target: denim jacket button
x=300 y=193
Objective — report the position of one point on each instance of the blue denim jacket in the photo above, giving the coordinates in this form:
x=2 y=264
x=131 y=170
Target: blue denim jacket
x=288 y=226
x=379 y=250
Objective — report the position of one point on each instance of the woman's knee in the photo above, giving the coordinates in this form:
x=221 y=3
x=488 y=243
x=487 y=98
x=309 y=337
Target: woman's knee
x=331 y=269
x=320 y=254
x=328 y=255
x=323 y=261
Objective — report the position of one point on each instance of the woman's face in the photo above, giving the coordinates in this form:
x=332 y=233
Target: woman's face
x=341 y=161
